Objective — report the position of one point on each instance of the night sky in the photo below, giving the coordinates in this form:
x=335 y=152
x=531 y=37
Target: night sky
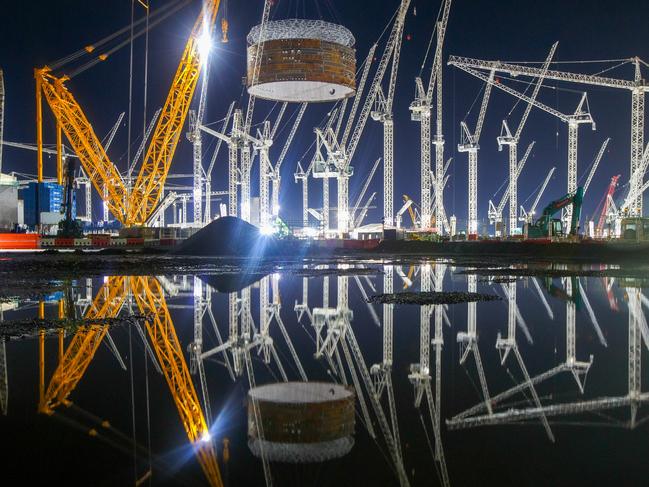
x=35 y=33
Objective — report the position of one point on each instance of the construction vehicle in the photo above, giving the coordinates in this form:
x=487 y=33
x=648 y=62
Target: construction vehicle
x=69 y=227
x=548 y=227
x=634 y=229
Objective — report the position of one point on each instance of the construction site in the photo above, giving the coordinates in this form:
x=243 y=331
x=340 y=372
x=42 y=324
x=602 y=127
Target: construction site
x=79 y=194
x=290 y=242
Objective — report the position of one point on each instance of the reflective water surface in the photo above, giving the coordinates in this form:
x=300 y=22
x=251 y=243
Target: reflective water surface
x=123 y=380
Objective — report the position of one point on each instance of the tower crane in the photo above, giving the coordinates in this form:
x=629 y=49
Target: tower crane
x=383 y=113
x=131 y=206
x=194 y=135
x=208 y=173
x=581 y=116
x=421 y=109
x=638 y=88
x=470 y=144
x=276 y=176
x=234 y=141
x=511 y=141
x=344 y=153
x=496 y=213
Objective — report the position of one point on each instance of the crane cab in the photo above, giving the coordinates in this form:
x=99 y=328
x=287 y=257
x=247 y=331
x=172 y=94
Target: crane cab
x=634 y=229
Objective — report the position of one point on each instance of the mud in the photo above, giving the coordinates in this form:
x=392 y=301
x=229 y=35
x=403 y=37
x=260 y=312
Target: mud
x=432 y=298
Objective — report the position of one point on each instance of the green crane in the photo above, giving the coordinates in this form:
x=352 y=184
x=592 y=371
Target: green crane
x=546 y=226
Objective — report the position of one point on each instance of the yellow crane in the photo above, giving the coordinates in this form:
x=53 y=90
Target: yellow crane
x=131 y=206
x=151 y=302
x=84 y=345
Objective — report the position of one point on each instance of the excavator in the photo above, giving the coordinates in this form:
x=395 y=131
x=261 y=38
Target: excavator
x=131 y=206
x=548 y=227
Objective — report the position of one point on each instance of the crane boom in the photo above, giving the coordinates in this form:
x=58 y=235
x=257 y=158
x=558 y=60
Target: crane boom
x=291 y=136
x=483 y=109
x=84 y=345
x=537 y=88
x=437 y=60
x=359 y=93
x=85 y=143
x=516 y=70
x=598 y=158
x=542 y=190
x=378 y=76
x=157 y=161
x=150 y=300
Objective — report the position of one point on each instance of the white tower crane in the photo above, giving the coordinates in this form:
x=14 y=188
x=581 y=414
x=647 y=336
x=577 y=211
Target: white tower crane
x=470 y=143
x=496 y=213
x=194 y=136
x=421 y=109
x=581 y=116
x=343 y=160
x=383 y=113
x=511 y=141
x=234 y=142
x=638 y=88
x=276 y=177
x=208 y=174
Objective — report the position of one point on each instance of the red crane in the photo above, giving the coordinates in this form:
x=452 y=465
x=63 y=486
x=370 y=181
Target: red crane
x=607 y=199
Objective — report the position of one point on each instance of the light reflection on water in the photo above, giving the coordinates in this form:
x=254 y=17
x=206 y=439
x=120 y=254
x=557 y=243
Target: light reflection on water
x=554 y=358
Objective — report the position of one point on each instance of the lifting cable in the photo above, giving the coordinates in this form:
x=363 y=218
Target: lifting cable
x=432 y=36
x=103 y=56
x=59 y=63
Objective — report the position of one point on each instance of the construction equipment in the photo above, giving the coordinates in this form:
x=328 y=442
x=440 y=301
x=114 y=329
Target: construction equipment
x=69 y=227
x=608 y=201
x=421 y=109
x=547 y=227
x=638 y=88
x=131 y=206
x=469 y=142
x=383 y=113
x=151 y=302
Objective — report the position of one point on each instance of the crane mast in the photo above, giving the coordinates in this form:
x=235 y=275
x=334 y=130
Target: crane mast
x=383 y=113
x=344 y=171
x=470 y=144
x=276 y=176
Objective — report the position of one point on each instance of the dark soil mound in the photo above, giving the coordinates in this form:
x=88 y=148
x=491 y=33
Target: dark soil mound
x=227 y=236
x=230 y=283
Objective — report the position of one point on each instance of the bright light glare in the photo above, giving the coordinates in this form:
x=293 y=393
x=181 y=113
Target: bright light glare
x=204 y=45
x=206 y=437
x=267 y=230
x=311 y=232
